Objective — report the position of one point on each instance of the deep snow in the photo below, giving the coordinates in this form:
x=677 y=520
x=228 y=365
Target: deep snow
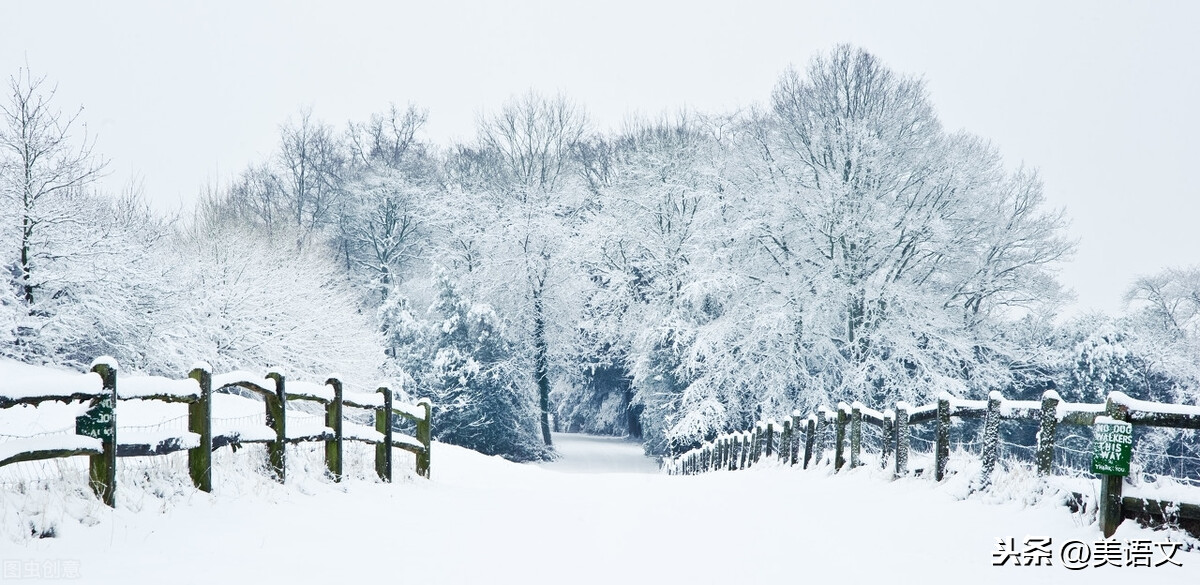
x=485 y=520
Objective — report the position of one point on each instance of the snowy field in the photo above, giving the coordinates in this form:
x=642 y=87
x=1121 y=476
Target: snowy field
x=601 y=514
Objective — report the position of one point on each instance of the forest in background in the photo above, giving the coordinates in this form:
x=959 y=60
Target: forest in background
x=679 y=278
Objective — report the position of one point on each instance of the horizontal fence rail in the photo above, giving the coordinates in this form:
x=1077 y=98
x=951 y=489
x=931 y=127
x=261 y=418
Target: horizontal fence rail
x=96 y=431
x=801 y=440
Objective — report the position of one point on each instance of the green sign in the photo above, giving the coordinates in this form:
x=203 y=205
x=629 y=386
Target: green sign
x=1112 y=442
x=97 y=421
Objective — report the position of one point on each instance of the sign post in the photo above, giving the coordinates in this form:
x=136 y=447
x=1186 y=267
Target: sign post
x=1112 y=445
x=100 y=422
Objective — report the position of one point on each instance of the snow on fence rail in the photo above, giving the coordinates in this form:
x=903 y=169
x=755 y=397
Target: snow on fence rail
x=743 y=449
x=96 y=431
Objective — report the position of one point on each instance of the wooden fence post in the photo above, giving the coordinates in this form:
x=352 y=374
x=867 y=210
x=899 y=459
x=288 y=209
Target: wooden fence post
x=755 y=445
x=1110 y=485
x=333 y=420
x=794 y=445
x=823 y=415
x=277 y=419
x=102 y=468
x=810 y=432
x=902 y=438
x=1046 y=432
x=768 y=444
x=744 y=459
x=855 y=435
x=942 y=450
x=200 y=422
x=383 y=424
x=785 y=440
x=991 y=437
x=760 y=444
x=839 y=454
x=889 y=437
x=425 y=437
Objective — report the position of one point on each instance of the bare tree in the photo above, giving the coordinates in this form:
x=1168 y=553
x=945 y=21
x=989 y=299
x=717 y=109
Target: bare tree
x=387 y=137
x=312 y=170
x=1171 y=298
x=39 y=160
x=531 y=140
x=380 y=226
x=382 y=220
x=533 y=136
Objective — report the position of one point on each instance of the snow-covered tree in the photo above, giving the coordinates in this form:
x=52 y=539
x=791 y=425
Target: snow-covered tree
x=300 y=189
x=44 y=172
x=387 y=210
x=462 y=359
x=517 y=185
x=839 y=246
x=255 y=302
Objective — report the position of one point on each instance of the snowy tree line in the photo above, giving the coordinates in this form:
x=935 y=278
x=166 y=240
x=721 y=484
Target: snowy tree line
x=682 y=277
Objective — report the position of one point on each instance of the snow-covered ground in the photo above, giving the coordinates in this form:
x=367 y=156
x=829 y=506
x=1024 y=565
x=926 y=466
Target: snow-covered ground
x=485 y=520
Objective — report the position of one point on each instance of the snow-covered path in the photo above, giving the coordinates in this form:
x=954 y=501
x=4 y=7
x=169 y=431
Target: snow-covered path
x=482 y=520
x=593 y=454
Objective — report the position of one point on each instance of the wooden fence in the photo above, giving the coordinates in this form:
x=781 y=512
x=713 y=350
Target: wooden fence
x=100 y=441
x=799 y=439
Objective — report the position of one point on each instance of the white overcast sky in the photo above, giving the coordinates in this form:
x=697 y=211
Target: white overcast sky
x=1102 y=97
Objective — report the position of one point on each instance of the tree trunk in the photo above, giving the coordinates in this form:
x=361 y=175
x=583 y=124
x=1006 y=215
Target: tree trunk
x=633 y=412
x=26 y=279
x=27 y=233
x=540 y=365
